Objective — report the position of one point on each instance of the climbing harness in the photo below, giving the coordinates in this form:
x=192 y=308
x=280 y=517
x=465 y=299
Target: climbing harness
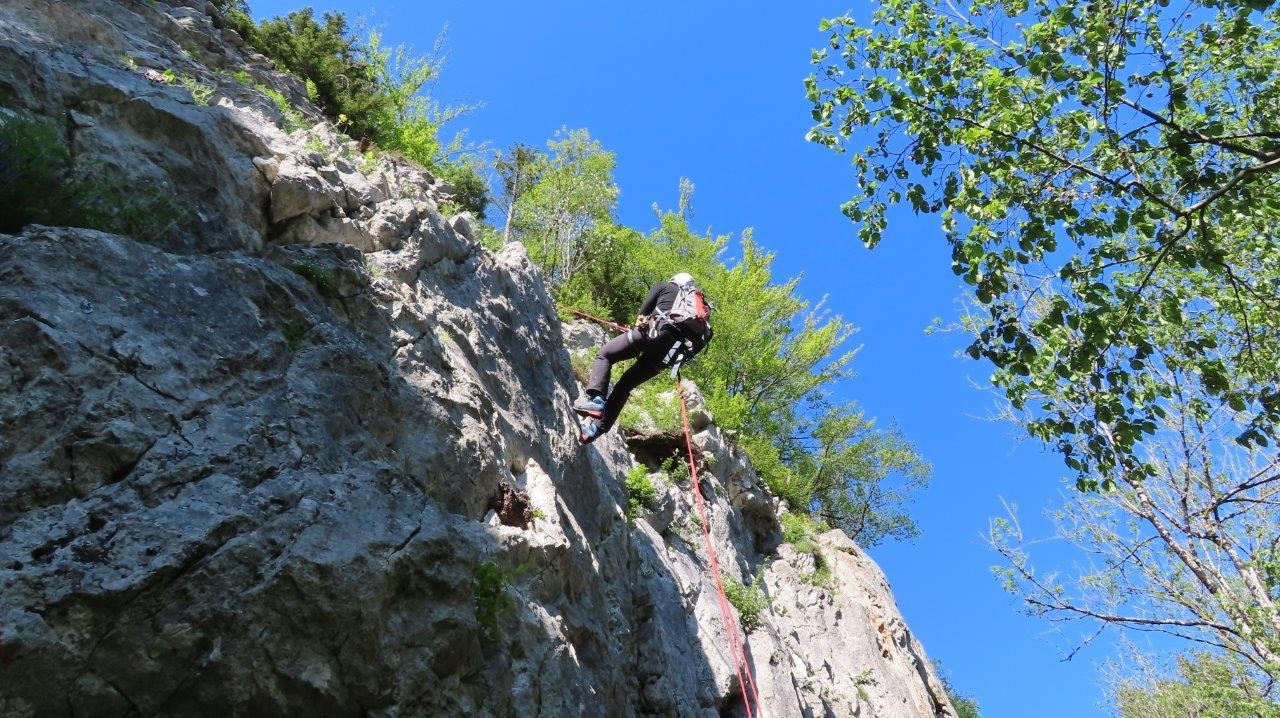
x=681 y=349
x=746 y=679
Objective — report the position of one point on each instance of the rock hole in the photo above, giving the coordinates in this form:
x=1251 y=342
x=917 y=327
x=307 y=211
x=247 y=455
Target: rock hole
x=95 y=523
x=513 y=507
x=734 y=707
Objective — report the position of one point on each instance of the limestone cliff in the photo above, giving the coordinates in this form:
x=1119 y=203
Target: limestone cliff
x=254 y=471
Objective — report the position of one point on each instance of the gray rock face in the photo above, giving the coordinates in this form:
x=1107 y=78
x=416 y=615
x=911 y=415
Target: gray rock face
x=248 y=473
x=833 y=646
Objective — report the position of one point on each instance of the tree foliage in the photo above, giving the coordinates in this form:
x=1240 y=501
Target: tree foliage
x=1103 y=175
x=371 y=91
x=561 y=216
x=324 y=54
x=517 y=168
x=1201 y=685
x=1191 y=550
x=770 y=373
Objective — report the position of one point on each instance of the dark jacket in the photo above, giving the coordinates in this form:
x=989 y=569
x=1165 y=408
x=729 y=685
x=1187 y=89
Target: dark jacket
x=661 y=297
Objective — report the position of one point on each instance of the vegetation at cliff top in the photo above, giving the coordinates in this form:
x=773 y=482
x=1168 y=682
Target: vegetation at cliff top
x=368 y=90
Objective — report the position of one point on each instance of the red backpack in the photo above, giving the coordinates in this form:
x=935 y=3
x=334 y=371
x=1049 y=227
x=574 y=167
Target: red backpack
x=690 y=316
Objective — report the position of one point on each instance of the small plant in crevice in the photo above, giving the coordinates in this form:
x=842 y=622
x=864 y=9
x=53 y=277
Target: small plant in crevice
x=199 y=91
x=241 y=76
x=367 y=162
x=293 y=120
x=691 y=529
x=488 y=236
x=748 y=599
x=316 y=144
x=42 y=183
x=293 y=334
x=862 y=680
x=493 y=600
x=675 y=469
x=799 y=531
x=641 y=493
x=652 y=405
x=580 y=362
x=374 y=270
x=822 y=576
x=448 y=208
x=322 y=278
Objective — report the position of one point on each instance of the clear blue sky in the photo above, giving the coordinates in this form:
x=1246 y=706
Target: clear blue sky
x=712 y=92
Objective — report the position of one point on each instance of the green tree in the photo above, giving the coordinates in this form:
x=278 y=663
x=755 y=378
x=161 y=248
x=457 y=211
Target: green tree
x=1202 y=685
x=769 y=376
x=518 y=168
x=560 y=217
x=1103 y=174
x=341 y=80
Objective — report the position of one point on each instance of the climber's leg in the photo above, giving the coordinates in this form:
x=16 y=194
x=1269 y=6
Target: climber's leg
x=646 y=367
x=622 y=347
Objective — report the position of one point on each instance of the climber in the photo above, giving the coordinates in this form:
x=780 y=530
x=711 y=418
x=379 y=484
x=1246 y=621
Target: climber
x=674 y=323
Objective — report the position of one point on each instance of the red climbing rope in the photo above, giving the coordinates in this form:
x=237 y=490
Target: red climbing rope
x=597 y=320
x=746 y=681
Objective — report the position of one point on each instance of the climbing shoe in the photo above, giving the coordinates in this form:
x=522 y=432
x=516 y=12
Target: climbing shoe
x=592 y=406
x=588 y=431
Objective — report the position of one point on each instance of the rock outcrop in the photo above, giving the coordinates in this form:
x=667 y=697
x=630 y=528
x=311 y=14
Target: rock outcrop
x=314 y=454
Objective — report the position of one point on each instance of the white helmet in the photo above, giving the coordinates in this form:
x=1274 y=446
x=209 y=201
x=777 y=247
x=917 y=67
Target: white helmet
x=682 y=279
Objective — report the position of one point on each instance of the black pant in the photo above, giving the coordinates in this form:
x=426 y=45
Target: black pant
x=651 y=351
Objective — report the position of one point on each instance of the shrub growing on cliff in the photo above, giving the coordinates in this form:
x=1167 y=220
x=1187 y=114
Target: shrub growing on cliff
x=492 y=599
x=653 y=407
x=41 y=183
x=640 y=491
x=371 y=91
x=799 y=530
x=747 y=599
x=322 y=278
x=322 y=53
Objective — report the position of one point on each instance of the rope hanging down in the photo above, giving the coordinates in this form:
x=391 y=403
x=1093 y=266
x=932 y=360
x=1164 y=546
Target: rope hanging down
x=746 y=680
